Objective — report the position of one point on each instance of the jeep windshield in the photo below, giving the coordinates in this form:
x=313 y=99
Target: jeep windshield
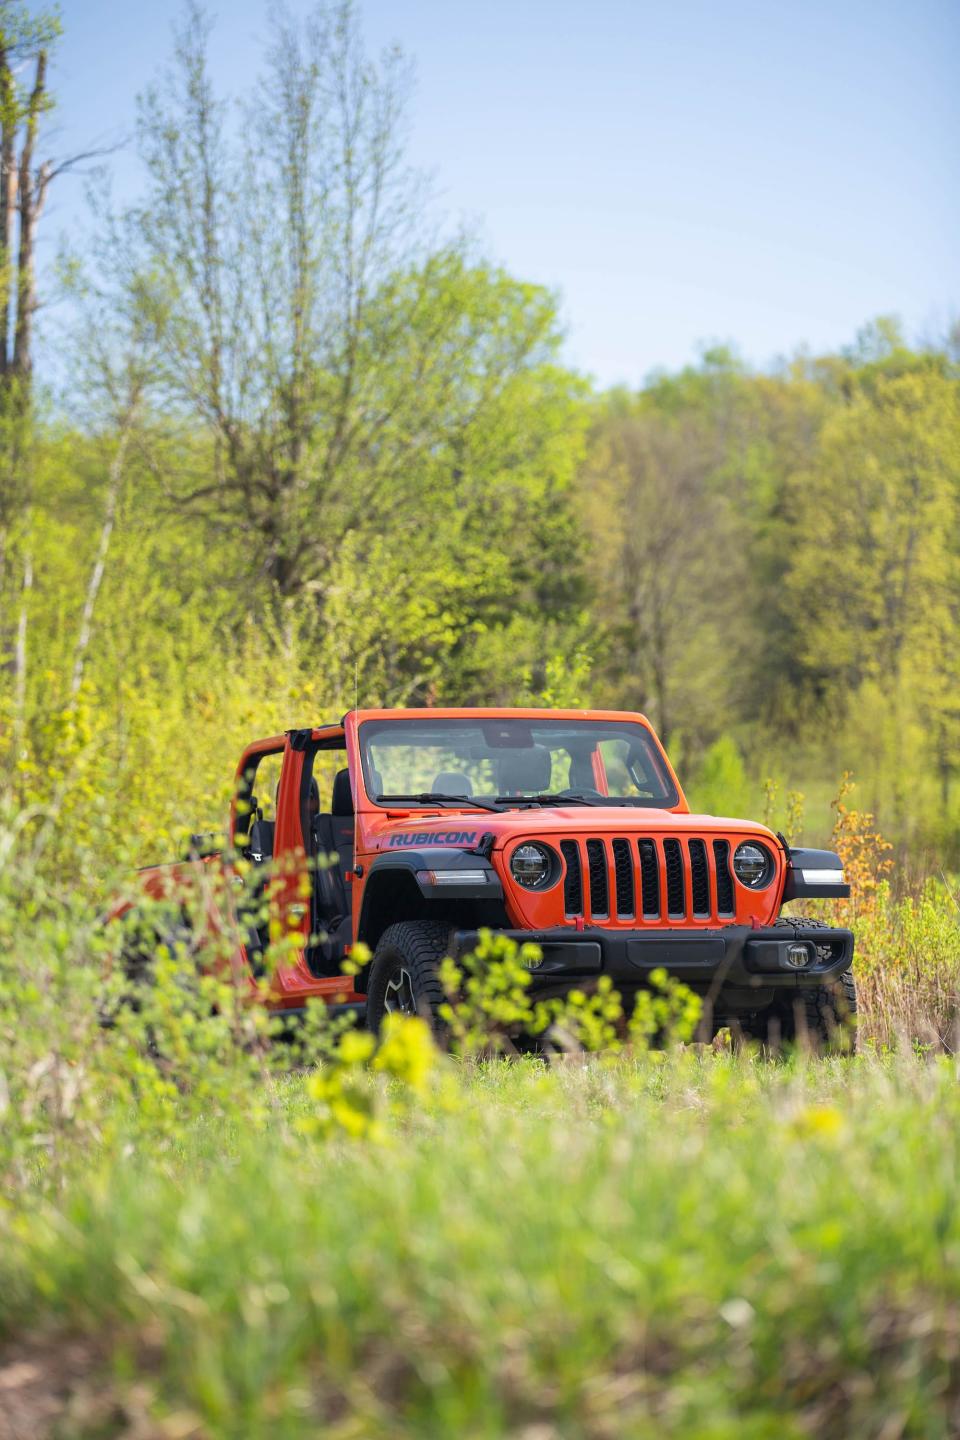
x=513 y=761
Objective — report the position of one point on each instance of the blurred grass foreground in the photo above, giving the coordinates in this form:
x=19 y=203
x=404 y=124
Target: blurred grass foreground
x=700 y=1244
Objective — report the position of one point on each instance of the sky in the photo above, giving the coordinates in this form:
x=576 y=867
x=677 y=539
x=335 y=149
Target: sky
x=751 y=172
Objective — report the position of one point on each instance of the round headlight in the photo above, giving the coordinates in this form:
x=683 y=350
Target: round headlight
x=531 y=865
x=753 y=865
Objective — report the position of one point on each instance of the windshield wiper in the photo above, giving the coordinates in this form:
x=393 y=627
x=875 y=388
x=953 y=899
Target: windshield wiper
x=433 y=797
x=550 y=800
x=472 y=802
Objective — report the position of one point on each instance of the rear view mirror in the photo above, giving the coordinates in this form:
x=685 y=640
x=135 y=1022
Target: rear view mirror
x=508 y=735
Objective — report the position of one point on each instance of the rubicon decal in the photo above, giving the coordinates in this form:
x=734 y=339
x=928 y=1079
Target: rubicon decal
x=435 y=837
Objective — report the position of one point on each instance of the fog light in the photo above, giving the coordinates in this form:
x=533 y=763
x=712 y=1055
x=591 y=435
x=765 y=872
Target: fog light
x=798 y=955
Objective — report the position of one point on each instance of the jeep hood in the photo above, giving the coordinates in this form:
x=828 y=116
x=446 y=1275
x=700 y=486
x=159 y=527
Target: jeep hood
x=455 y=827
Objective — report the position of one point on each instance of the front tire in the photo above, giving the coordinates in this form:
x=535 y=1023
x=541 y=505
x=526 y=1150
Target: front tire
x=404 y=974
x=822 y=1017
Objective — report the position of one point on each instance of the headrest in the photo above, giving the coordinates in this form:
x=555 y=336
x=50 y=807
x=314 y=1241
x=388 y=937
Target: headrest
x=342 y=802
x=450 y=782
x=525 y=770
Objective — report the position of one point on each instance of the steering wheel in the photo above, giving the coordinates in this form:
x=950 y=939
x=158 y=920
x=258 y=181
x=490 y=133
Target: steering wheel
x=586 y=790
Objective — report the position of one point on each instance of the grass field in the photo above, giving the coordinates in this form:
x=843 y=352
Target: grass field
x=693 y=1245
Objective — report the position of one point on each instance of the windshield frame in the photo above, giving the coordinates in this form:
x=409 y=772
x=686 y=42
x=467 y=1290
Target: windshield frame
x=672 y=798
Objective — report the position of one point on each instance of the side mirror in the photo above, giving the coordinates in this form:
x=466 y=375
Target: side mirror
x=203 y=846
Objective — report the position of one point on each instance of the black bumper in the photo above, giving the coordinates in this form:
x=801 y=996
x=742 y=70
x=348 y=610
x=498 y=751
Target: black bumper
x=734 y=956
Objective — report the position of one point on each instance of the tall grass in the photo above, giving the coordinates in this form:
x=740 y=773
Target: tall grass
x=907 y=932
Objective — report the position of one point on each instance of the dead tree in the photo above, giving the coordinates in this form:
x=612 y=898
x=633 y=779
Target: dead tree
x=25 y=44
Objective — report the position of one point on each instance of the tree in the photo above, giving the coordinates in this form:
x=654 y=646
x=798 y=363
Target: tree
x=336 y=357
x=874 y=570
x=25 y=43
x=668 y=568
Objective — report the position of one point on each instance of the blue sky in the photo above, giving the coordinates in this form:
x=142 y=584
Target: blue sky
x=762 y=173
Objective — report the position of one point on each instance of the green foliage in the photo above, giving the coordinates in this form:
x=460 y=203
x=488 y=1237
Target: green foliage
x=491 y=1007
x=668 y=1012
x=322 y=451
x=879 y=618
x=344 y=1102
x=488 y=1002
x=777 y=560
x=720 y=786
x=908 y=955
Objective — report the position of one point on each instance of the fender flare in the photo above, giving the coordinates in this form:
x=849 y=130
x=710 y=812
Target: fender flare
x=814 y=875
x=480 y=881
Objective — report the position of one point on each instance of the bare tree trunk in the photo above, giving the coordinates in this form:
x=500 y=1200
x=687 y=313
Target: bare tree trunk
x=20 y=656
x=32 y=193
x=8 y=199
x=99 y=564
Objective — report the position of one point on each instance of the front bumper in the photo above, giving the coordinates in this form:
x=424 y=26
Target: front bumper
x=733 y=957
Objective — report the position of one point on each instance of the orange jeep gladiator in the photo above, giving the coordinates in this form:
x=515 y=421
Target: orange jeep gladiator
x=563 y=827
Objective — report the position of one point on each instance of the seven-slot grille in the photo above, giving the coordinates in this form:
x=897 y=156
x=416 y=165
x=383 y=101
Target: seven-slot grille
x=648 y=879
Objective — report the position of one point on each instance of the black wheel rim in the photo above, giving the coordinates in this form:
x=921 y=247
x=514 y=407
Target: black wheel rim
x=398 y=997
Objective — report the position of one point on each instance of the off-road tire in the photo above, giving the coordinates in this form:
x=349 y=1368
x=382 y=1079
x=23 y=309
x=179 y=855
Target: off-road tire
x=411 y=948
x=822 y=1017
